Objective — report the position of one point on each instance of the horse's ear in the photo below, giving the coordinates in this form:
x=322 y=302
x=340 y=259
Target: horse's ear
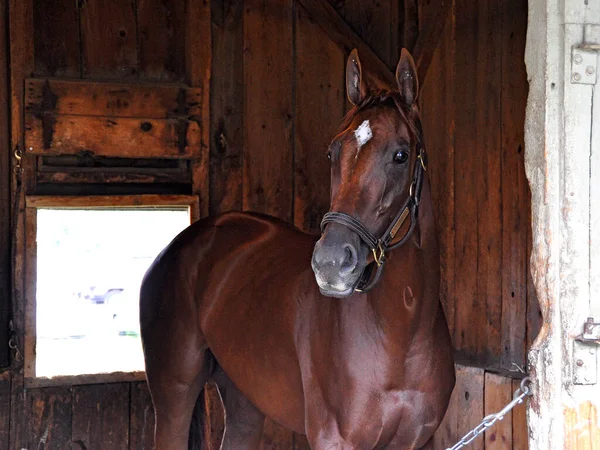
x=406 y=76
x=356 y=87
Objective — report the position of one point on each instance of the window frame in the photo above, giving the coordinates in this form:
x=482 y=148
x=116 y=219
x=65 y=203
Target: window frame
x=32 y=204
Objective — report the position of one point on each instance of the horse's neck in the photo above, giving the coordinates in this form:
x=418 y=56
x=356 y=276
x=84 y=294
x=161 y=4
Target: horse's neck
x=414 y=271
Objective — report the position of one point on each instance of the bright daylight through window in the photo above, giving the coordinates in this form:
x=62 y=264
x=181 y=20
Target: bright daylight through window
x=90 y=264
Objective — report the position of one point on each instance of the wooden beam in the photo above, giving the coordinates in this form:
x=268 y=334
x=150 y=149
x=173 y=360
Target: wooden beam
x=378 y=74
x=326 y=17
x=429 y=37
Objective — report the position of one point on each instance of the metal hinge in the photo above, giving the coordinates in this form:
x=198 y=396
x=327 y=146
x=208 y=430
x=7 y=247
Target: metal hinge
x=585 y=367
x=584 y=64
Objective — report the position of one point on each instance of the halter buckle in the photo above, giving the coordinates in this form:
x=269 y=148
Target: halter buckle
x=381 y=257
x=423 y=164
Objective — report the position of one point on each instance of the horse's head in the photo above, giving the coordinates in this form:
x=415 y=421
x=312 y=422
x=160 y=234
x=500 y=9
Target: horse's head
x=377 y=164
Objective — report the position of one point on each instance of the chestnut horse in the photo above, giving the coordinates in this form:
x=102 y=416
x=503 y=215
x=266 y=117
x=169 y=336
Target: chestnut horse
x=354 y=353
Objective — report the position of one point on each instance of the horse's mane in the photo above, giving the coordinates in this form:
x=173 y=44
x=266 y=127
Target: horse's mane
x=385 y=98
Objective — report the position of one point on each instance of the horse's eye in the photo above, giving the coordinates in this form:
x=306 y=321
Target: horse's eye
x=401 y=156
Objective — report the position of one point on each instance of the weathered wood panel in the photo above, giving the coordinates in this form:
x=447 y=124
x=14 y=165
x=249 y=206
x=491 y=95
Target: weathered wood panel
x=56 y=36
x=5 y=379
x=109 y=40
x=268 y=113
x=85 y=98
x=478 y=186
x=515 y=189
x=477 y=394
x=376 y=23
x=48 y=423
x=112 y=136
x=5 y=178
x=101 y=416
x=320 y=101
x=141 y=425
x=437 y=109
x=161 y=38
x=226 y=107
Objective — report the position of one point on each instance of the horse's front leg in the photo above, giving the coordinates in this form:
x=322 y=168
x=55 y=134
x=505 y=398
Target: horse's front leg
x=243 y=421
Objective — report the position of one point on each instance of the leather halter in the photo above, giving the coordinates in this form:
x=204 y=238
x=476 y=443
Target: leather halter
x=379 y=246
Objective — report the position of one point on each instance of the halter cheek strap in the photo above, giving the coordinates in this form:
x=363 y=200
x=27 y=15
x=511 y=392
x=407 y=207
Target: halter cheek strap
x=379 y=246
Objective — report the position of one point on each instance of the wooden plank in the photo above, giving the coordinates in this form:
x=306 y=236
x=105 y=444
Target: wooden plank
x=268 y=113
x=120 y=201
x=85 y=98
x=375 y=23
x=108 y=176
x=56 y=37
x=498 y=393
x=227 y=107
x=469 y=318
x=161 y=39
x=5 y=381
x=141 y=424
x=341 y=33
x=108 y=38
x=48 y=419
x=520 y=433
x=101 y=416
x=478 y=199
x=437 y=110
x=487 y=161
x=320 y=95
x=198 y=57
x=515 y=188
x=411 y=24
x=21 y=65
x=53 y=134
x=430 y=34
x=5 y=177
x=469 y=390
x=447 y=433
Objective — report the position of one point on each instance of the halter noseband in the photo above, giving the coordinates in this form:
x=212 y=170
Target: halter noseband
x=380 y=246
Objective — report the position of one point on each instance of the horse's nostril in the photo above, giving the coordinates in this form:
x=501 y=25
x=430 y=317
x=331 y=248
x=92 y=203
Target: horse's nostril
x=350 y=260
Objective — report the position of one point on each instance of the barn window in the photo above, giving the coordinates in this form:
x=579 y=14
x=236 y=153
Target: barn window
x=86 y=257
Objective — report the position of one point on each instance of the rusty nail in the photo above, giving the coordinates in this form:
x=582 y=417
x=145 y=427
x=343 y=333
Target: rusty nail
x=579 y=362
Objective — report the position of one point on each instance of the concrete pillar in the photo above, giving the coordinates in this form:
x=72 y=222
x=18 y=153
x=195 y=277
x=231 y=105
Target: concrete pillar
x=562 y=139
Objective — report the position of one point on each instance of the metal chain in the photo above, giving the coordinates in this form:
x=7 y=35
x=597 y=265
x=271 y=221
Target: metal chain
x=523 y=391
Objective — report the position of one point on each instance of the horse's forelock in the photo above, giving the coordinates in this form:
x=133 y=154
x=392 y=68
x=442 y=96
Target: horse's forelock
x=383 y=97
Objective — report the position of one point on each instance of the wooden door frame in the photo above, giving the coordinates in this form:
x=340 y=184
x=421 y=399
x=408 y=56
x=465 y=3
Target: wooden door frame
x=562 y=161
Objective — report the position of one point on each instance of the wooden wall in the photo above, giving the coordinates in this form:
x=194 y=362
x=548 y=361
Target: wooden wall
x=277 y=93
x=473 y=102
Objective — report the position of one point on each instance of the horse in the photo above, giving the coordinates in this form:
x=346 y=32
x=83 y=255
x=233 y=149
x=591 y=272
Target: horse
x=341 y=338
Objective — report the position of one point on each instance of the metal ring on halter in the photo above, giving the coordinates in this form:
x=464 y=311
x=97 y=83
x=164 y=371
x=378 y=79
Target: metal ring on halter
x=378 y=259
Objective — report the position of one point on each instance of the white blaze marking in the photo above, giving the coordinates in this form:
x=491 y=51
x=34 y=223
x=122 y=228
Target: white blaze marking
x=363 y=135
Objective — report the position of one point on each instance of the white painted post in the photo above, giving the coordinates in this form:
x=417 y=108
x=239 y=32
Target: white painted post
x=563 y=167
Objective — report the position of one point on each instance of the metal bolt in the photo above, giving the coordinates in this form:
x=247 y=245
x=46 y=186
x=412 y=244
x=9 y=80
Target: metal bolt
x=580 y=362
x=30 y=149
x=589 y=70
x=577 y=58
x=576 y=76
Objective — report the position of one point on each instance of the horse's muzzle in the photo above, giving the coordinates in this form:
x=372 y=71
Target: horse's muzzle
x=336 y=262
